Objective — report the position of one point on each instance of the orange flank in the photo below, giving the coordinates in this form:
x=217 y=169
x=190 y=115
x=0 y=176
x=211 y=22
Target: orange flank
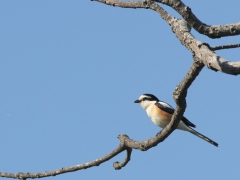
x=160 y=113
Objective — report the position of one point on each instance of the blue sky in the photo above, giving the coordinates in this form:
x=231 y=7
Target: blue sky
x=70 y=71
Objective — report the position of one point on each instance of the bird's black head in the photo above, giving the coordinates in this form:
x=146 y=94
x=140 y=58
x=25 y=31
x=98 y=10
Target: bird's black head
x=146 y=97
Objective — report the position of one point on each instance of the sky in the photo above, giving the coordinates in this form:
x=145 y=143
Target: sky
x=71 y=70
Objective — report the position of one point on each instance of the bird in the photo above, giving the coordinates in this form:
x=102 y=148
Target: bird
x=161 y=113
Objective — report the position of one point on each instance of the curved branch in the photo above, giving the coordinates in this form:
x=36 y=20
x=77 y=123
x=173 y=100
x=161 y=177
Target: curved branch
x=212 y=31
x=182 y=31
x=117 y=165
x=63 y=170
x=125 y=142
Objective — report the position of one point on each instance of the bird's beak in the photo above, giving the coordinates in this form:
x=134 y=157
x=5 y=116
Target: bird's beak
x=137 y=101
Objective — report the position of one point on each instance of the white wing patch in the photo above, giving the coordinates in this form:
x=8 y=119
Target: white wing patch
x=165 y=104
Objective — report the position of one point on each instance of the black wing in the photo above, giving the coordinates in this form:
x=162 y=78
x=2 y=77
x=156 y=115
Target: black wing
x=169 y=109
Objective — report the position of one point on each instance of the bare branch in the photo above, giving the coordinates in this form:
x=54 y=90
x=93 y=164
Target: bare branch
x=123 y=4
x=203 y=51
x=96 y=162
x=230 y=46
x=212 y=31
x=125 y=142
x=117 y=165
x=182 y=31
x=202 y=55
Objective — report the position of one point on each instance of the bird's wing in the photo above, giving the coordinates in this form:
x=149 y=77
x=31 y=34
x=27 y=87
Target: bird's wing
x=165 y=107
x=169 y=109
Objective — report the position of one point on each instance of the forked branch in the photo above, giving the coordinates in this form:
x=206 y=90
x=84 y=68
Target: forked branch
x=212 y=31
x=202 y=55
x=182 y=30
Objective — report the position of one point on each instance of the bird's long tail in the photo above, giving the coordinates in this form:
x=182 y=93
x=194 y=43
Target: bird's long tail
x=203 y=137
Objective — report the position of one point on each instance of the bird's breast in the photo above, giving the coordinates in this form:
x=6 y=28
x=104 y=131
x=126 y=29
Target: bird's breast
x=158 y=116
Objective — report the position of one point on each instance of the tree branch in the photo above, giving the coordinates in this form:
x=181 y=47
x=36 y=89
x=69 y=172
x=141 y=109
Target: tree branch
x=212 y=31
x=125 y=142
x=117 y=165
x=182 y=30
x=63 y=170
x=142 y=4
x=202 y=54
x=203 y=51
x=230 y=46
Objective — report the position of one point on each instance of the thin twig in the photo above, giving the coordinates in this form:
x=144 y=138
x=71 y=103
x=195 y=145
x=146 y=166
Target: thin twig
x=215 y=48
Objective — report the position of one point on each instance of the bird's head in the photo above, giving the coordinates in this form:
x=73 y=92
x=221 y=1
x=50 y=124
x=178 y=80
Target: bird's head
x=145 y=100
